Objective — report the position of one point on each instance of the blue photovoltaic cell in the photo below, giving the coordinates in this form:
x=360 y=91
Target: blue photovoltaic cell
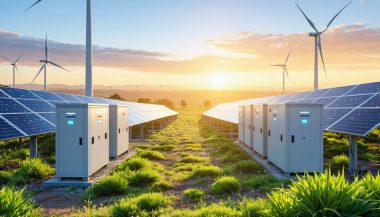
x=339 y=91
x=358 y=122
x=283 y=99
x=298 y=96
x=350 y=101
x=100 y=100
x=85 y=99
x=55 y=102
x=48 y=116
x=330 y=116
x=11 y=106
x=373 y=102
x=48 y=96
x=365 y=88
x=37 y=105
x=325 y=101
x=2 y=95
x=316 y=94
x=19 y=93
x=29 y=123
x=7 y=131
x=68 y=97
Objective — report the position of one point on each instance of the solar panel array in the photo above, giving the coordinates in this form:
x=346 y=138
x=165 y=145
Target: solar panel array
x=351 y=109
x=28 y=112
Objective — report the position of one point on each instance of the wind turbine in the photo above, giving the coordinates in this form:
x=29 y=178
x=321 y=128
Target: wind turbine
x=318 y=44
x=284 y=71
x=89 y=88
x=46 y=62
x=15 y=69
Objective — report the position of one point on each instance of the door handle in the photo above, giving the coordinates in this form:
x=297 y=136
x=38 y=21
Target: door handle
x=268 y=132
x=293 y=138
x=281 y=138
x=80 y=141
x=119 y=130
x=261 y=130
x=105 y=135
x=92 y=140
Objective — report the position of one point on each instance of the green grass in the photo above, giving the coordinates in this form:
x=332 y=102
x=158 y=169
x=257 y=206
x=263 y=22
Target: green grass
x=248 y=167
x=194 y=194
x=14 y=203
x=136 y=163
x=207 y=171
x=264 y=183
x=34 y=169
x=225 y=185
x=117 y=184
x=152 y=155
x=149 y=204
x=337 y=163
x=193 y=159
x=143 y=178
x=165 y=147
x=5 y=177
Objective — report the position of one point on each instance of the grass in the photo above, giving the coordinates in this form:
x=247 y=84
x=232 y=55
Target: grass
x=248 y=167
x=151 y=203
x=338 y=162
x=16 y=203
x=136 y=163
x=117 y=184
x=207 y=171
x=264 y=183
x=34 y=169
x=194 y=194
x=225 y=185
x=193 y=159
x=151 y=155
x=143 y=178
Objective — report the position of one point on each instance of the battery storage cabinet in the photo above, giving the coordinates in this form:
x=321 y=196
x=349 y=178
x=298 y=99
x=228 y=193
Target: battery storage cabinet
x=295 y=141
x=248 y=126
x=260 y=129
x=241 y=124
x=119 y=133
x=82 y=139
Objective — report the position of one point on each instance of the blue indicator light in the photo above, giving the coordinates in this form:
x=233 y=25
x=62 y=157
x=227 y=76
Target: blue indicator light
x=304 y=121
x=70 y=122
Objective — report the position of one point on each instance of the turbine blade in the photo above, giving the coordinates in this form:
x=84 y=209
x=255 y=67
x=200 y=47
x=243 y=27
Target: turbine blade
x=332 y=20
x=286 y=71
x=55 y=64
x=38 y=1
x=39 y=72
x=6 y=58
x=308 y=20
x=287 y=58
x=18 y=59
x=18 y=72
x=321 y=53
x=46 y=48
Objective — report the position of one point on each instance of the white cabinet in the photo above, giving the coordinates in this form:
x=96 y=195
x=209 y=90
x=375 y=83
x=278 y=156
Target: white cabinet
x=118 y=126
x=260 y=129
x=82 y=139
x=241 y=124
x=248 y=125
x=295 y=142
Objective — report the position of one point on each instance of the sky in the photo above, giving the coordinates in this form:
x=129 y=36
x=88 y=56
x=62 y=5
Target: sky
x=193 y=44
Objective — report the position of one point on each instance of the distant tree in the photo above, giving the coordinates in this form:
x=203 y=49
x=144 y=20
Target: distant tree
x=207 y=103
x=183 y=104
x=144 y=100
x=116 y=97
x=2 y=85
x=165 y=102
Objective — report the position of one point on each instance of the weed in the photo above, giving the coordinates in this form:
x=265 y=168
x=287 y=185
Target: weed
x=16 y=203
x=152 y=155
x=193 y=194
x=34 y=169
x=134 y=164
x=116 y=184
x=193 y=159
x=248 y=166
x=338 y=162
x=225 y=185
x=143 y=178
x=207 y=171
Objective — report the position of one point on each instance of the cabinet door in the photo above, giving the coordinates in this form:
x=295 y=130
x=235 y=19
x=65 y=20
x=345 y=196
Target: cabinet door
x=304 y=139
x=241 y=124
x=258 y=132
x=122 y=134
x=276 y=137
x=247 y=125
x=71 y=145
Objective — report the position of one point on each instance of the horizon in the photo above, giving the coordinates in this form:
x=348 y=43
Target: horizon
x=223 y=46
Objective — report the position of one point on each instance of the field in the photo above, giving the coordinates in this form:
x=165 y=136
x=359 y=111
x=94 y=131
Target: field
x=190 y=169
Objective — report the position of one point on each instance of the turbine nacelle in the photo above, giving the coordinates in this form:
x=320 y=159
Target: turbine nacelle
x=314 y=34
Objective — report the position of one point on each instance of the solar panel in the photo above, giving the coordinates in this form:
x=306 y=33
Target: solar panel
x=359 y=122
x=11 y=106
x=37 y=105
x=8 y=131
x=28 y=113
x=29 y=123
x=19 y=94
x=344 y=110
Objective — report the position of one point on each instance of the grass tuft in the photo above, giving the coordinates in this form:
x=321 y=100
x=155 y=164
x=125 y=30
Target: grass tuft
x=225 y=185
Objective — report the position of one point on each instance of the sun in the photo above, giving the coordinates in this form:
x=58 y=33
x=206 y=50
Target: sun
x=217 y=81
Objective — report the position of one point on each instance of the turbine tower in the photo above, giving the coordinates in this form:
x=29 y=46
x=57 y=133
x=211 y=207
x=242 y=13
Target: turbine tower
x=284 y=71
x=318 y=43
x=45 y=62
x=89 y=88
x=15 y=69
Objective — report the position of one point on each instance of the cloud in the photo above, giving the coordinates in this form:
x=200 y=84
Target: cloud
x=347 y=47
